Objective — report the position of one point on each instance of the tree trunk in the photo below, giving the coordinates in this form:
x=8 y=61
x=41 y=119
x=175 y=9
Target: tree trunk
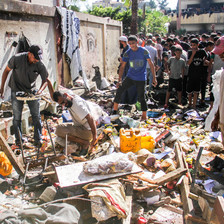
x=134 y=8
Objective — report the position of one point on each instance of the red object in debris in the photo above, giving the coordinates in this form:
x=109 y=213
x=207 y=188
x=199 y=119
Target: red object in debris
x=170 y=185
x=142 y=220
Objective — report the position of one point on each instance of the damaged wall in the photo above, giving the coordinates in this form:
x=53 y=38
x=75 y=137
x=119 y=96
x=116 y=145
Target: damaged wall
x=99 y=45
x=38 y=29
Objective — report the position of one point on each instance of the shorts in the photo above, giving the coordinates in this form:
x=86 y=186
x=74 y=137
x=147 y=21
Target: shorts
x=77 y=131
x=194 y=83
x=175 y=84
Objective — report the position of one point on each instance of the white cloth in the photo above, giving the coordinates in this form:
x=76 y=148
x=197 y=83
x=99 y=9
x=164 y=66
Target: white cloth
x=70 y=25
x=218 y=95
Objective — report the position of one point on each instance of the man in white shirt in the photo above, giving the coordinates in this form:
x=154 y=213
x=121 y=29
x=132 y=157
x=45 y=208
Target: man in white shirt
x=85 y=116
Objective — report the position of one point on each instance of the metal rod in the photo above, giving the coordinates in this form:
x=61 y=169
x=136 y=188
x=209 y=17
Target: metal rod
x=52 y=143
x=21 y=145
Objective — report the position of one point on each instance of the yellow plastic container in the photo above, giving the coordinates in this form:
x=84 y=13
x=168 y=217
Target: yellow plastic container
x=130 y=140
x=5 y=165
x=147 y=142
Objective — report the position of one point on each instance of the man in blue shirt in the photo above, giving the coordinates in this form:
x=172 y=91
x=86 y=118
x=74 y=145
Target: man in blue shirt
x=138 y=57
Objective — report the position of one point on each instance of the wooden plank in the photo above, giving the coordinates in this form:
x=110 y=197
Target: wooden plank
x=200 y=192
x=187 y=202
x=11 y=156
x=205 y=208
x=217 y=216
x=179 y=159
x=184 y=187
x=185 y=163
x=171 y=176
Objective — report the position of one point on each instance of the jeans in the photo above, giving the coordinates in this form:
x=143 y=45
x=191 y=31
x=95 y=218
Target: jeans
x=17 y=107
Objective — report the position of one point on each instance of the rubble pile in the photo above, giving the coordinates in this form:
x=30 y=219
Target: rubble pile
x=167 y=169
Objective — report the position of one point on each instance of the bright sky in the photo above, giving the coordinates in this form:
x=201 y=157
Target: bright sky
x=172 y=3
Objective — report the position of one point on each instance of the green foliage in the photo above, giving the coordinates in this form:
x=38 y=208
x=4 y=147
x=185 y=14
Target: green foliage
x=152 y=4
x=162 y=4
x=153 y=23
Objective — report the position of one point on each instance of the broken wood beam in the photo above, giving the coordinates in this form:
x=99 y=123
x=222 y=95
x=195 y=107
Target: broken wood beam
x=200 y=192
x=185 y=163
x=171 y=176
x=187 y=202
x=42 y=161
x=11 y=156
x=195 y=219
x=217 y=216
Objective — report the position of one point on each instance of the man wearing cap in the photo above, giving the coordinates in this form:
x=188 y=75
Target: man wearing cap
x=219 y=116
x=26 y=67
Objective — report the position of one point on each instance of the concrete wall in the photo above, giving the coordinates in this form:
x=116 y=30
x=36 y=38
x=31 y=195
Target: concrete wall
x=202 y=22
x=99 y=45
x=38 y=29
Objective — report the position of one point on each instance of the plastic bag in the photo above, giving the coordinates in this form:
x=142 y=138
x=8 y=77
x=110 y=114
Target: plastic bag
x=113 y=163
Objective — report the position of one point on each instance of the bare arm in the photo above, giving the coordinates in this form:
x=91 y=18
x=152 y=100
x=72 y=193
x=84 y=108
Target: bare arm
x=92 y=125
x=4 y=77
x=154 y=81
x=192 y=57
x=121 y=71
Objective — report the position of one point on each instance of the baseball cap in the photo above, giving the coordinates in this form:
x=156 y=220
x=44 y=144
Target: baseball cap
x=219 y=46
x=36 y=51
x=123 y=38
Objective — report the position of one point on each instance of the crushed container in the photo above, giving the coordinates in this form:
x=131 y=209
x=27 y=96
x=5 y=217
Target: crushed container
x=130 y=140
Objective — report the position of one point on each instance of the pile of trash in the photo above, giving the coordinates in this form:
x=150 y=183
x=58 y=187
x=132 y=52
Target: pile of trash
x=167 y=169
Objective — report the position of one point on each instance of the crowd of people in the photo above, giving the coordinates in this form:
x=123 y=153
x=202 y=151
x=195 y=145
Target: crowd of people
x=188 y=60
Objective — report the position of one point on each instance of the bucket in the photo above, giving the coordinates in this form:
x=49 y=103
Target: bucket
x=48 y=194
x=130 y=140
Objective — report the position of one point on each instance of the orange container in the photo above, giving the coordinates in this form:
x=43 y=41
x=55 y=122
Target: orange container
x=5 y=165
x=147 y=142
x=130 y=140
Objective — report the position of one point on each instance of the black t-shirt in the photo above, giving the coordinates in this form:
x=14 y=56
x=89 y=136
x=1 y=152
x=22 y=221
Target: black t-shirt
x=185 y=45
x=24 y=74
x=196 y=65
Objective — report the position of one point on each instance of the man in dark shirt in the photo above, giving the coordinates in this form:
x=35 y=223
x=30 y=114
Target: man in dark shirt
x=196 y=59
x=26 y=67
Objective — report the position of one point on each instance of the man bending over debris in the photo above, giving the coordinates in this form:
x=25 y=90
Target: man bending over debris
x=85 y=116
x=219 y=116
x=137 y=57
